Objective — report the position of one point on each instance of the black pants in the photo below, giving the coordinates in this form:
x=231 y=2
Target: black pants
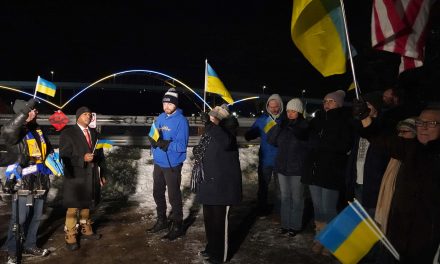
x=216 y=229
x=163 y=178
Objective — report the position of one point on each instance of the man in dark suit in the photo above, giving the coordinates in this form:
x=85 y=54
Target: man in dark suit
x=82 y=182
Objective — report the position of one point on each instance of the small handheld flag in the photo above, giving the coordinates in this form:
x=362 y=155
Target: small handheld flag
x=44 y=86
x=154 y=132
x=352 y=234
x=104 y=143
x=269 y=124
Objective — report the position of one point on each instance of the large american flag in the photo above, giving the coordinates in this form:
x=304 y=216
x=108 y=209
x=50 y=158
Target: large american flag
x=400 y=26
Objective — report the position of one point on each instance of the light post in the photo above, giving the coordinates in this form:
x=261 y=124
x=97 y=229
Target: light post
x=264 y=87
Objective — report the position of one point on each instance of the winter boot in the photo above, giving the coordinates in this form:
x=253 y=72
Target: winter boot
x=176 y=230
x=86 y=230
x=316 y=246
x=160 y=224
x=71 y=243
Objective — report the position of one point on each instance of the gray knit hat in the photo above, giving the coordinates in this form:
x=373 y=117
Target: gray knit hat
x=338 y=96
x=82 y=110
x=409 y=123
x=296 y=105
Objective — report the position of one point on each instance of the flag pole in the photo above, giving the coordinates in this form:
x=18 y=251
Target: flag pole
x=206 y=83
x=350 y=54
x=36 y=86
x=370 y=223
x=96 y=143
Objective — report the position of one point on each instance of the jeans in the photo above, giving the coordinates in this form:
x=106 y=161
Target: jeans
x=324 y=203
x=29 y=219
x=163 y=178
x=264 y=178
x=292 y=201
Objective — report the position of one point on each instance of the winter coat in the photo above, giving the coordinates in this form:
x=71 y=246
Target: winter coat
x=376 y=161
x=81 y=179
x=330 y=140
x=222 y=184
x=291 y=139
x=14 y=133
x=414 y=220
x=172 y=127
x=267 y=152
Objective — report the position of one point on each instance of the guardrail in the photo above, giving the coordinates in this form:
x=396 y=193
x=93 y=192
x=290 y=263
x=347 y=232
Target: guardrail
x=133 y=126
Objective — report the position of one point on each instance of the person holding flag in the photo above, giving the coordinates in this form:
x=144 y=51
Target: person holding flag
x=84 y=170
x=267 y=152
x=169 y=137
x=26 y=176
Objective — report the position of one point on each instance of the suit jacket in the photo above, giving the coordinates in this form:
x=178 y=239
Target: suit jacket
x=81 y=179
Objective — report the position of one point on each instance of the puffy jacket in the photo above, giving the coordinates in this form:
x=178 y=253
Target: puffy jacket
x=291 y=139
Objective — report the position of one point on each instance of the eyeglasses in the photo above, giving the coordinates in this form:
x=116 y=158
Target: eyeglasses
x=328 y=101
x=430 y=124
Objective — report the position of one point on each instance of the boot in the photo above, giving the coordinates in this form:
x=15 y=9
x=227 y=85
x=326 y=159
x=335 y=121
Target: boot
x=316 y=246
x=86 y=230
x=176 y=230
x=160 y=224
x=71 y=243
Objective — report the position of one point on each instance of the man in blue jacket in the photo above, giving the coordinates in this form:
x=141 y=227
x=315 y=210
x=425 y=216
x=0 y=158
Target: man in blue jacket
x=268 y=152
x=169 y=153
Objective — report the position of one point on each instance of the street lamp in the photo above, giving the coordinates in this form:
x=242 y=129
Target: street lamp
x=264 y=87
x=52 y=73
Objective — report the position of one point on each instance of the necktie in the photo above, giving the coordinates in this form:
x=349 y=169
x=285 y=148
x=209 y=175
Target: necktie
x=89 y=141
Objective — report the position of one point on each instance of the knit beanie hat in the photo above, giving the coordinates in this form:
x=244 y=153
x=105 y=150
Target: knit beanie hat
x=409 y=123
x=171 y=96
x=338 y=96
x=82 y=110
x=296 y=105
x=220 y=112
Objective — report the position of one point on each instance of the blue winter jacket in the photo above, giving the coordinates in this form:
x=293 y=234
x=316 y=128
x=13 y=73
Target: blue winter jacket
x=267 y=151
x=172 y=127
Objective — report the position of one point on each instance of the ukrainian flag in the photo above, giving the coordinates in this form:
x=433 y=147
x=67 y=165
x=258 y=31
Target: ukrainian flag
x=349 y=236
x=269 y=124
x=154 y=132
x=46 y=87
x=104 y=143
x=318 y=31
x=215 y=85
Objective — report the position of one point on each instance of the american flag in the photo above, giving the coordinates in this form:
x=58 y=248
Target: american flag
x=400 y=26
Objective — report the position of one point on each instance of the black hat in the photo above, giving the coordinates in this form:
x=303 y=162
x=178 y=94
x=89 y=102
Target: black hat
x=171 y=96
x=18 y=105
x=82 y=110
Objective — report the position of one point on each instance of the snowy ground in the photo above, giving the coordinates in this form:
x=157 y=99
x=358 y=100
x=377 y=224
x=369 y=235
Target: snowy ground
x=128 y=209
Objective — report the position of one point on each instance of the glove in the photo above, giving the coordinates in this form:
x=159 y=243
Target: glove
x=152 y=142
x=29 y=105
x=205 y=118
x=360 y=109
x=163 y=144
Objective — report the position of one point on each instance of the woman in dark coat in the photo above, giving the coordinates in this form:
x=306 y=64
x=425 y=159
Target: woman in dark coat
x=290 y=138
x=330 y=141
x=221 y=185
x=83 y=178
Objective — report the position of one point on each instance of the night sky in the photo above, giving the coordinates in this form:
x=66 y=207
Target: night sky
x=247 y=42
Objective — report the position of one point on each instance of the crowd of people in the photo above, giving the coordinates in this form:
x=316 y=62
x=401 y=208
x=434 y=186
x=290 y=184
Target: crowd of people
x=379 y=151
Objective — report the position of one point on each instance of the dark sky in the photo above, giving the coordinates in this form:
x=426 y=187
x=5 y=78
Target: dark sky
x=247 y=42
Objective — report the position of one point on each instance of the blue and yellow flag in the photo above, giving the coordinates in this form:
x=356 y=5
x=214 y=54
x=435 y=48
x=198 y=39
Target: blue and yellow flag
x=318 y=31
x=104 y=143
x=154 y=132
x=349 y=236
x=46 y=87
x=269 y=124
x=215 y=85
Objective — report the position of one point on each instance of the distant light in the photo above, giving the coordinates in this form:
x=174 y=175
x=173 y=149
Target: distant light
x=234 y=114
